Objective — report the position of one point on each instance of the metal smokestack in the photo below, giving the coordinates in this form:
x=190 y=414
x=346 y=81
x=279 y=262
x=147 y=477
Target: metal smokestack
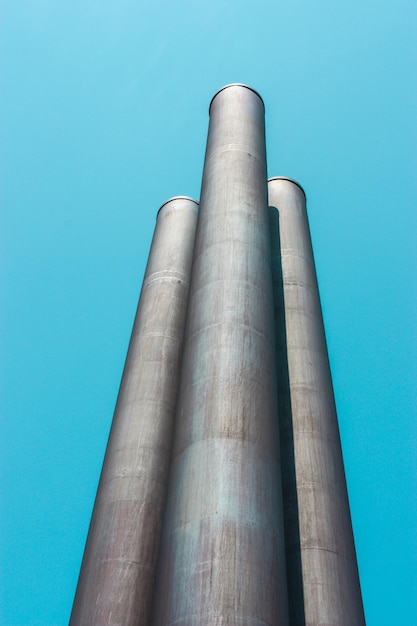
x=191 y=512
x=117 y=576
x=222 y=555
x=322 y=571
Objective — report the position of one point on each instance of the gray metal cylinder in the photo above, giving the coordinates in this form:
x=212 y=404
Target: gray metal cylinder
x=222 y=554
x=117 y=576
x=323 y=578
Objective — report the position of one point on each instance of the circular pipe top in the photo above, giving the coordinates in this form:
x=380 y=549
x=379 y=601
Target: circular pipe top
x=291 y=180
x=176 y=198
x=236 y=85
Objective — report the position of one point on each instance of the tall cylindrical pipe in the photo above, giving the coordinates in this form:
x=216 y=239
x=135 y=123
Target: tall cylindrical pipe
x=322 y=570
x=118 y=570
x=222 y=553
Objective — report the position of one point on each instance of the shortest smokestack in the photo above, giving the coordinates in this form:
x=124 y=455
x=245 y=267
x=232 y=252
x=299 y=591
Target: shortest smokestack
x=117 y=575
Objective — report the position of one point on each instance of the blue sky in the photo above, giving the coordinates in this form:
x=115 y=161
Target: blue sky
x=103 y=117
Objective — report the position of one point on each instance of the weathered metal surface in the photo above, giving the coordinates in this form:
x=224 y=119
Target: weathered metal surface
x=118 y=571
x=222 y=556
x=323 y=579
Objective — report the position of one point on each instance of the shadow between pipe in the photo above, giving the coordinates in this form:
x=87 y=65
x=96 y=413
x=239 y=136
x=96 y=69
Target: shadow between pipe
x=289 y=482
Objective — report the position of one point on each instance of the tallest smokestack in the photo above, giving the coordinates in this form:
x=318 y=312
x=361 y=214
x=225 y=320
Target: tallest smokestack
x=222 y=559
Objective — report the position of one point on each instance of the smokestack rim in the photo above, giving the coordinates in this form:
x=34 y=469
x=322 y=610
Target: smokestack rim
x=236 y=85
x=176 y=198
x=290 y=180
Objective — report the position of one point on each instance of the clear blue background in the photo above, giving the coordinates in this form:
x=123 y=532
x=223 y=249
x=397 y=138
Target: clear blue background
x=104 y=116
